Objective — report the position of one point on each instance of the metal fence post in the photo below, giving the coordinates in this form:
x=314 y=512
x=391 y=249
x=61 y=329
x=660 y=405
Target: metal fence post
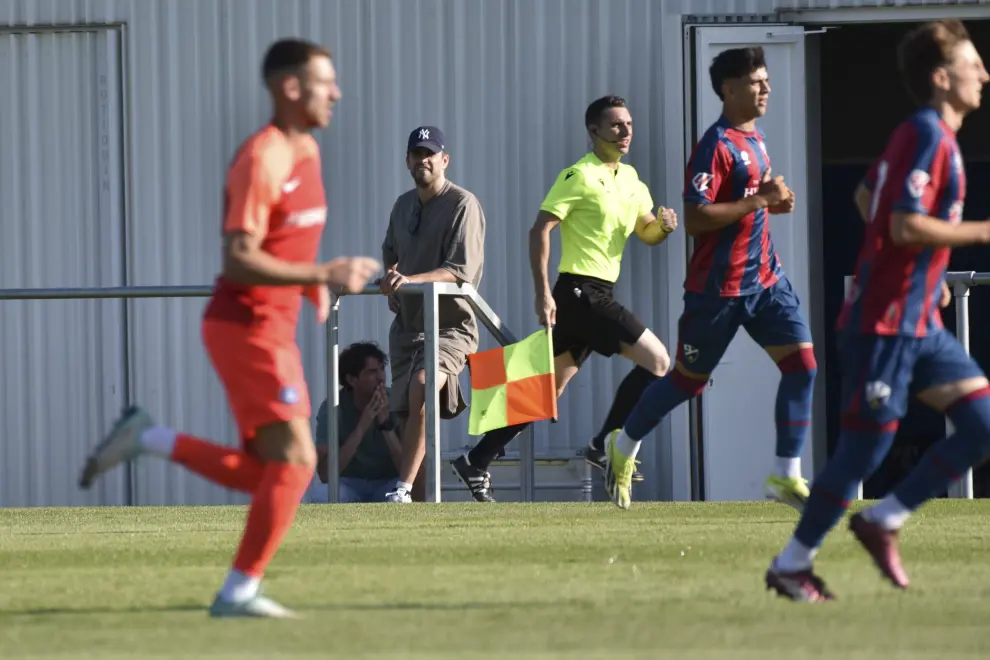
x=527 y=465
x=332 y=437
x=431 y=326
x=963 y=487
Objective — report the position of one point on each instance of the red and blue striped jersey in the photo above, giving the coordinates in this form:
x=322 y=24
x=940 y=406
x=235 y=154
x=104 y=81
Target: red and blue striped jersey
x=727 y=165
x=896 y=288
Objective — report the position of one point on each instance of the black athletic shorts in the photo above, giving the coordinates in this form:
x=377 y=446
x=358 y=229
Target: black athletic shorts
x=589 y=319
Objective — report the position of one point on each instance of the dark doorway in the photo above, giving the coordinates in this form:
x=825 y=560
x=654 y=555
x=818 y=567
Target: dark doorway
x=862 y=101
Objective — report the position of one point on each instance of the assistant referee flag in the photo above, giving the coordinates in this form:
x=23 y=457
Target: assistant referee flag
x=513 y=384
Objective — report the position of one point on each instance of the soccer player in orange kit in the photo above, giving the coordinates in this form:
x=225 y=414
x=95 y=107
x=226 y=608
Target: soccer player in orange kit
x=274 y=213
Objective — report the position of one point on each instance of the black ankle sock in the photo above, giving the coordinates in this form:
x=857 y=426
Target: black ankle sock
x=491 y=444
x=626 y=398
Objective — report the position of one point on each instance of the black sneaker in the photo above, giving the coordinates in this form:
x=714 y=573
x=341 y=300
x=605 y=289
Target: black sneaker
x=478 y=481
x=596 y=458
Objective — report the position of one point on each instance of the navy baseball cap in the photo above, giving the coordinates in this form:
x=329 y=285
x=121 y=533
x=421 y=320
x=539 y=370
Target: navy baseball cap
x=430 y=137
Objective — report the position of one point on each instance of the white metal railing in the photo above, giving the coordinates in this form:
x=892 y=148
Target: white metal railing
x=431 y=295
x=961 y=282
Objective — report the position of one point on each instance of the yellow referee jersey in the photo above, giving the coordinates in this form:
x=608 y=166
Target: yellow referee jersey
x=598 y=208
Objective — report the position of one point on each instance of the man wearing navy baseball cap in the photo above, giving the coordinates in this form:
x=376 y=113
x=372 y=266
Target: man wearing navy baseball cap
x=436 y=233
x=426 y=137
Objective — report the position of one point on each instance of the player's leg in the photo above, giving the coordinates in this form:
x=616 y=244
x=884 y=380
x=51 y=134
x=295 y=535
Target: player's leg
x=636 y=343
x=779 y=326
x=951 y=382
x=876 y=376
x=413 y=435
x=705 y=330
x=472 y=468
x=288 y=454
x=238 y=361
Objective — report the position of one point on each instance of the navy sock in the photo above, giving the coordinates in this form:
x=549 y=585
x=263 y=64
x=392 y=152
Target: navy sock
x=630 y=390
x=950 y=457
x=660 y=398
x=794 y=394
x=859 y=453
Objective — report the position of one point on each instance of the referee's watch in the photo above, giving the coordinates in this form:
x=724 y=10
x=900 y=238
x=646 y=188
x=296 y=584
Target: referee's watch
x=387 y=425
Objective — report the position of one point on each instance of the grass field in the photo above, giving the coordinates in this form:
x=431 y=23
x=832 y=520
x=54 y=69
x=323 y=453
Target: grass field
x=488 y=581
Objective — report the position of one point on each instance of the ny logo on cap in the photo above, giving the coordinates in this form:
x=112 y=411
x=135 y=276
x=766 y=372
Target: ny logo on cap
x=424 y=134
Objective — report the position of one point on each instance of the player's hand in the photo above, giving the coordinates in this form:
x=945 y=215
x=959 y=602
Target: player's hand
x=668 y=219
x=393 y=304
x=392 y=281
x=351 y=274
x=382 y=395
x=946 y=295
x=774 y=190
x=785 y=205
x=546 y=310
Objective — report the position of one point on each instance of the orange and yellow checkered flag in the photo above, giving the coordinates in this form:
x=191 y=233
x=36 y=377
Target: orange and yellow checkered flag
x=513 y=384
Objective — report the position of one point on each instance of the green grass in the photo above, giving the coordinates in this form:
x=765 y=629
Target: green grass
x=487 y=581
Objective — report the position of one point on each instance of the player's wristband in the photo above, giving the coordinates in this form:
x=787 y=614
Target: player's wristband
x=387 y=425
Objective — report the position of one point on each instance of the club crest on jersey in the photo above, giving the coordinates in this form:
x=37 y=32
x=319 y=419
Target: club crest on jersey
x=877 y=394
x=916 y=183
x=744 y=156
x=690 y=353
x=701 y=180
x=288 y=395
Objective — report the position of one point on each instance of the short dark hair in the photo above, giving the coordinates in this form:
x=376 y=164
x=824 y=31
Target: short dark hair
x=735 y=63
x=353 y=359
x=289 y=56
x=924 y=49
x=594 y=113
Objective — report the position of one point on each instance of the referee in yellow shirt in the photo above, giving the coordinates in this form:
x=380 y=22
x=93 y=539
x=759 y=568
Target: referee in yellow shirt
x=597 y=203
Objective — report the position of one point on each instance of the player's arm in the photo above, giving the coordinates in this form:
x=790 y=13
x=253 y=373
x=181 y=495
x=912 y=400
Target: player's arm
x=253 y=188
x=539 y=252
x=919 y=186
x=565 y=193
x=709 y=169
x=918 y=229
x=650 y=229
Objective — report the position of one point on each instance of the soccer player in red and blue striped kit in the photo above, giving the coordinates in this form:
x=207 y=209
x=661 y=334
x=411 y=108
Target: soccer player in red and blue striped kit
x=891 y=339
x=734 y=280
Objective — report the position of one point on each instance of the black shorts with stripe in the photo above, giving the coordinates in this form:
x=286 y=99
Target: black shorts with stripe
x=589 y=319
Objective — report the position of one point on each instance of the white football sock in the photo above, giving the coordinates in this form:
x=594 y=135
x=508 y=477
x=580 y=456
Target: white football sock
x=402 y=485
x=239 y=587
x=889 y=513
x=158 y=440
x=788 y=468
x=795 y=557
x=626 y=445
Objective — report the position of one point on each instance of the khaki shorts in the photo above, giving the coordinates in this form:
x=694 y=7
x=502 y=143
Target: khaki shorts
x=406 y=361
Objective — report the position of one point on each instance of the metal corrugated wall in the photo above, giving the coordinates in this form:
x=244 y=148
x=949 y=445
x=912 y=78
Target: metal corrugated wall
x=507 y=81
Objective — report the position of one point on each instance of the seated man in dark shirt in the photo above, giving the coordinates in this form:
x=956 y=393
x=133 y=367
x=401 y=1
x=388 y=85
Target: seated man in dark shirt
x=370 y=450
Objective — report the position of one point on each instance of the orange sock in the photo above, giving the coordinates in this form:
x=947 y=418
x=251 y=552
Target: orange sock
x=273 y=509
x=228 y=467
